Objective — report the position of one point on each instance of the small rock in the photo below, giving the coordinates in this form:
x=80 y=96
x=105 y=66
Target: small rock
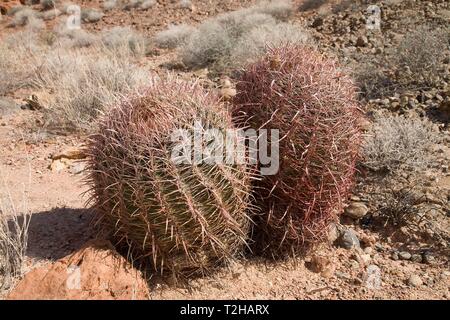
x=415 y=281
x=356 y=210
x=416 y=258
x=403 y=255
x=77 y=168
x=394 y=256
x=57 y=165
x=322 y=265
x=428 y=258
x=348 y=239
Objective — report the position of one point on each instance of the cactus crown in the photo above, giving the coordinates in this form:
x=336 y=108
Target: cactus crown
x=304 y=95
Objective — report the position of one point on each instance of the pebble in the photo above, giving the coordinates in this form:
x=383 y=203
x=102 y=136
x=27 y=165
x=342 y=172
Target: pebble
x=416 y=258
x=404 y=255
x=415 y=281
x=348 y=239
x=356 y=210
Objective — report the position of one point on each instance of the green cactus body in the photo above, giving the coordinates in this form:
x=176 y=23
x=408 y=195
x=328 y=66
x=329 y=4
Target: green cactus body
x=182 y=217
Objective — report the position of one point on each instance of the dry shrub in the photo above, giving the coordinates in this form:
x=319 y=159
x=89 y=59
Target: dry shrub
x=91 y=15
x=16 y=63
x=179 y=217
x=84 y=83
x=48 y=4
x=313 y=104
x=108 y=5
x=28 y=17
x=120 y=39
x=397 y=142
x=420 y=55
x=255 y=43
x=311 y=4
x=173 y=36
x=74 y=38
x=14 y=223
x=213 y=43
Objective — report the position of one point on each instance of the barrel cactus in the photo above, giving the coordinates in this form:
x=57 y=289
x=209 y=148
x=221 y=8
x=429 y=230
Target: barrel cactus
x=313 y=105
x=180 y=216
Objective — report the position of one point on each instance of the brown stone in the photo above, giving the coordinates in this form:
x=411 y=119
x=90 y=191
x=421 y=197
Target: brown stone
x=96 y=272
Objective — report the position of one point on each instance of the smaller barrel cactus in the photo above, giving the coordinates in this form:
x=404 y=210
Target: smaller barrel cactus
x=182 y=217
x=313 y=105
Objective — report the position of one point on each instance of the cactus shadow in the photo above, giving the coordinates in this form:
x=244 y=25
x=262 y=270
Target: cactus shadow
x=58 y=232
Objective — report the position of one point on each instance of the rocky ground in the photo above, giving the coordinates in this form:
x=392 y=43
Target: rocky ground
x=364 y=258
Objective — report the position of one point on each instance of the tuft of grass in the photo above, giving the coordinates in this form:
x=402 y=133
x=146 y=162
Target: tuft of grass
x=85 y=83
x=174 y=36
x=16 y=67
x=420 y=55
x=124 y=38
x=396 y=142
x=14 y=224
x=90 y=15
x=48 y=4
x=311 y=4
x=108 y=5
x=26 y=16
x=74 y=38
x=255 y=43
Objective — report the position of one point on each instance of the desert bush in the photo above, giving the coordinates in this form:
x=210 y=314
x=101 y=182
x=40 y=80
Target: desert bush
x=13 y=240
x=84 y=83
x=421 y=52
x=147 y=4
x=91 y=15
x=373 y=81
x=180 y=217
x=26 y=16
x=255 y=43
x=109 y=5
x=185 y=4
x=280 y=10
x=296 y=90
x=215 y=40
x=48 y=4
x=16 y=66
x=121 y=39
x=65 y=37
x=311 y=4
x=173 y=36
x=396 y=142
x=50 y=14
x=139 y=4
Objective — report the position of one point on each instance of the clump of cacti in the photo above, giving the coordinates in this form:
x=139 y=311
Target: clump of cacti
x=181 y=217
x=313 y=105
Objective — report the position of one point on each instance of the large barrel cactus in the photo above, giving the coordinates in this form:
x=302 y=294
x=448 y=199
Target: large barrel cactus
x=181 y=217
x=313 y=105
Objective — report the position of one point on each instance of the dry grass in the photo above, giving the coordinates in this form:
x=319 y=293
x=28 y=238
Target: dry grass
x=120 y=39
x=218 y=39
x=14 y=223
x=16 y=67
x=420 y=55
x=173 y=36
x=397 y=142
x=84 y=83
